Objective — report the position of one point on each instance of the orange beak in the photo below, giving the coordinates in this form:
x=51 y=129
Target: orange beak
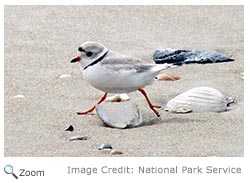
x=76 y=59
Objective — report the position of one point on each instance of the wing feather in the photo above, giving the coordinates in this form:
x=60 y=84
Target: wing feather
x=123 y=62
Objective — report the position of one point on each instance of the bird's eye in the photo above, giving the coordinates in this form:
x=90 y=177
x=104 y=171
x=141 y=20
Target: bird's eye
x=89 y=54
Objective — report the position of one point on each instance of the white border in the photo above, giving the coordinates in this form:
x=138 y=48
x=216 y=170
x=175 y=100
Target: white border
x=127 y=2
x=56 y=167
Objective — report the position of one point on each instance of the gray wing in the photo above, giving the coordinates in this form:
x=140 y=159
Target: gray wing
x=118 y=62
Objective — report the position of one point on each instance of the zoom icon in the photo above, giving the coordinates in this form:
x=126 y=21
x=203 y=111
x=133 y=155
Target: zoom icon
x=8 y=169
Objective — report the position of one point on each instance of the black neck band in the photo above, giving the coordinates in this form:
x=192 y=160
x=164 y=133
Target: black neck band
x=96 y=61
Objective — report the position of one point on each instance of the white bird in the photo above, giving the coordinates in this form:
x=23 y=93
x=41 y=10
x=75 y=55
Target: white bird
x=112 y=72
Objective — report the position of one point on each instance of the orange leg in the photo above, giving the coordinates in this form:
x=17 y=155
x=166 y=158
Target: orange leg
x=93 y=108
x=149 y=103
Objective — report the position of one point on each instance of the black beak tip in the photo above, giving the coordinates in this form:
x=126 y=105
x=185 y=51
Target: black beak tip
x=77 y=59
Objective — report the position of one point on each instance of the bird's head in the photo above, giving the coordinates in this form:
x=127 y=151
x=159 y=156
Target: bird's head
x=89 y=52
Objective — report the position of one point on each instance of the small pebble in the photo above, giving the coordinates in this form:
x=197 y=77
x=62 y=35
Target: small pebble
x=114 y=152
x=19 y=96
x=79 y=137
x=64 y=76
x=69 y=128
x=105 y=146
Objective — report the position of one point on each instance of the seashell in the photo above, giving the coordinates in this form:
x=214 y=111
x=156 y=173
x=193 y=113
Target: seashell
x=121 y=117
x=166 y=77
x=62 y=76
x=230 y=100
x=105 y=146
x=118 y=98
x=200 y=99
x=69 y=128
x=19 y=96
x=78 y=137
x=115 y=152
x=242 y=75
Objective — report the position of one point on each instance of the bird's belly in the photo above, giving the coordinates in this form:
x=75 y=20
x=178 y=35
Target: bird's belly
x=115 y=82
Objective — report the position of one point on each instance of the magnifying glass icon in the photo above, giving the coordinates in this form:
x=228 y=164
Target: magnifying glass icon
x=8 y=169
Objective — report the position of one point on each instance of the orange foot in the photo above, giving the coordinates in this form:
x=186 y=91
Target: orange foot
x=93 y=108
x=152 y=107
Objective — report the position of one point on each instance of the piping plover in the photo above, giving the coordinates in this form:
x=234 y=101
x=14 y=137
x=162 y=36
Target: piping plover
x=112 y=72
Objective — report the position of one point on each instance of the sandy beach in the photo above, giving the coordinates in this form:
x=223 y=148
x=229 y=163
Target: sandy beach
x=40 y=41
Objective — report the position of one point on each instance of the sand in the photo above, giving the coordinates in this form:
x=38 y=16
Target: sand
x=41 y=40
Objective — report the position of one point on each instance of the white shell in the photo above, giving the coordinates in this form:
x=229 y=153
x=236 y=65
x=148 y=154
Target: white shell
x=200 y=99
x=242 y=75
x=64 y=76
x=122 y=117
x=19 y=96
x=118 y=98
x=115 y=152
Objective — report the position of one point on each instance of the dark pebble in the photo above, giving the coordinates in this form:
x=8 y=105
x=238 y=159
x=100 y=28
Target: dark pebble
x=74 y=138
x=69 y=128
x=105 y=146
